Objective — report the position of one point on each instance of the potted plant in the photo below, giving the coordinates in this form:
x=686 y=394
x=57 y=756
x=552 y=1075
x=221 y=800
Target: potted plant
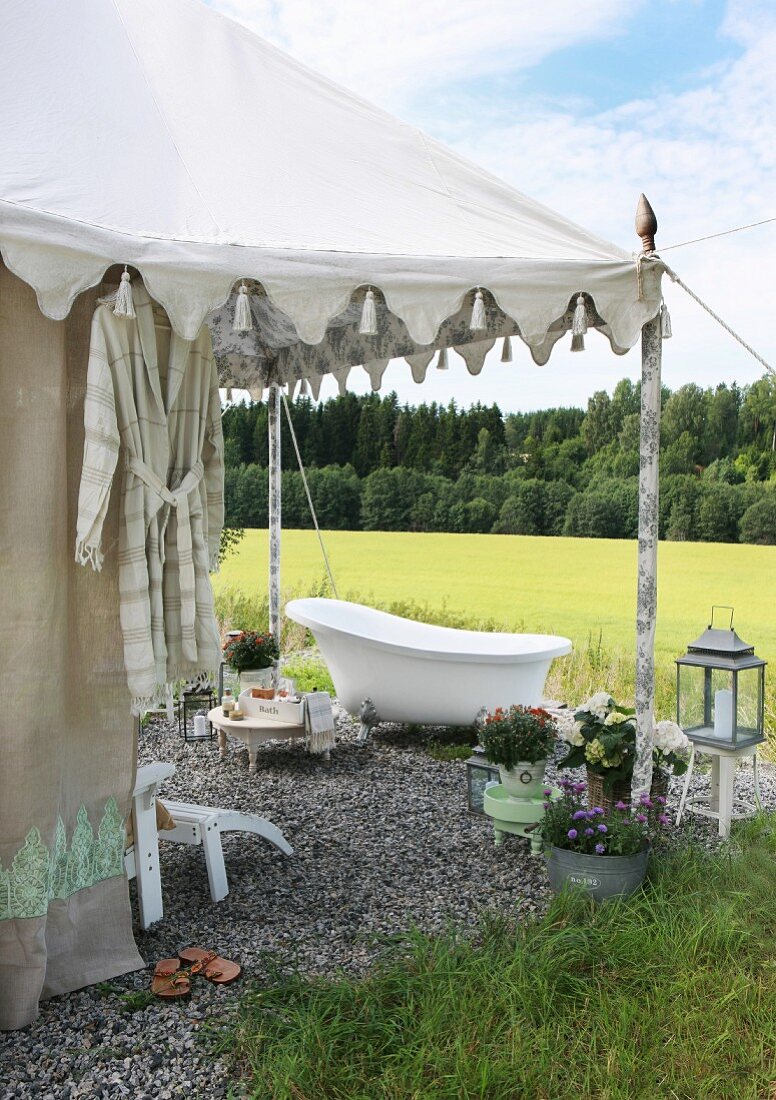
x=603 y=852
x=519 y=741
x=602 y=738
x=252 y=655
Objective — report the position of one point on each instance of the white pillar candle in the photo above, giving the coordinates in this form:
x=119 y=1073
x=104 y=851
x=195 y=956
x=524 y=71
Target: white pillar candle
x=200 y=725
x=723 y=714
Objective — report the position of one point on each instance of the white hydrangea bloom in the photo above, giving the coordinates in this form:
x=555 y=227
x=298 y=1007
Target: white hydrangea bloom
x=598 y=704
x=570 y=730
x=574 y=735
x=616 y=719
x=669 y=737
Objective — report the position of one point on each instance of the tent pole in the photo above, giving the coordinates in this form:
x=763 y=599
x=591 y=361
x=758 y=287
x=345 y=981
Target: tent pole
x=649 y=450
x=273 y=406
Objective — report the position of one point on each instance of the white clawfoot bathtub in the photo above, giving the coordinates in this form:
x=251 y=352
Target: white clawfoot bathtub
x=388 y=669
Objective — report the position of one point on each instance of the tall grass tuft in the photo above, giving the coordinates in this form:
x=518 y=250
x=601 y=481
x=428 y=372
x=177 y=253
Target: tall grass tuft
x=670 y=993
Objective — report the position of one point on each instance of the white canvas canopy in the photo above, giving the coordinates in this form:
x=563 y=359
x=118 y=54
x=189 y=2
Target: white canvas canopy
x=164 y=136
x=159 y=135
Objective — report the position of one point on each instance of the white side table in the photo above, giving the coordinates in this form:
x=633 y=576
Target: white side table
x=721 y=803
x=253 y=732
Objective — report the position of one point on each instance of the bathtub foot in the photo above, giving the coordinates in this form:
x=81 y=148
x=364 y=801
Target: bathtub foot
x=369 y=719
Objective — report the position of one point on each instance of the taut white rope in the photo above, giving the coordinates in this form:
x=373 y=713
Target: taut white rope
x=675 y=279
x=309 y=498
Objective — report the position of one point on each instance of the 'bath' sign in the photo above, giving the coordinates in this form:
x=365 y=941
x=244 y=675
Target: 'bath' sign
x=279 y=710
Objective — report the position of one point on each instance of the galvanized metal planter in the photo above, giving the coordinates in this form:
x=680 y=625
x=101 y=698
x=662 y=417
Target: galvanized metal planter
x=601 y=876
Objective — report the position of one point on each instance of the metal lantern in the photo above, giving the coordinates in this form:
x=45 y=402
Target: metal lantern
x=479 y=772
x=194 y=703
x=720 y=689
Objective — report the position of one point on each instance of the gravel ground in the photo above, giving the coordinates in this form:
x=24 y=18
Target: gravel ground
x=382 y=840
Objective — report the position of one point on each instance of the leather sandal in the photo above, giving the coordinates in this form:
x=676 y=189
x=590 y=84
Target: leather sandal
x=210 y=965
x=169 y=980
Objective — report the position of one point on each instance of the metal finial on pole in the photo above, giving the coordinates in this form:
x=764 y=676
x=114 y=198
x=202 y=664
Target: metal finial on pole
x=646 y=224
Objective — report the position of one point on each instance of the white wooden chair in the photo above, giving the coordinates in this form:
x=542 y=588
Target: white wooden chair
x=193 y=825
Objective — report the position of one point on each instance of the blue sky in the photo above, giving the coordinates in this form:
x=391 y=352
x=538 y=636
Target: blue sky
x=583 y=106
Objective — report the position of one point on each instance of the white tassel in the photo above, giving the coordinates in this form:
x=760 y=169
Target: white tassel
x=124 y=305
x=479 y=321
x=665 y=322
x=506 y=350
x=368 y=325
x=579 y=324
x=243 y=322
x=442 y=360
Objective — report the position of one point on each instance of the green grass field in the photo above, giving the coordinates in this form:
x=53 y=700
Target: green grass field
x=573 y=587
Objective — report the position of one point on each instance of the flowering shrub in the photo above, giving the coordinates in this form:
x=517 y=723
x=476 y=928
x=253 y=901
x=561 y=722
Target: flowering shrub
x=251 y=650
x=602 y=737
x=623 y=831
x=518 y=735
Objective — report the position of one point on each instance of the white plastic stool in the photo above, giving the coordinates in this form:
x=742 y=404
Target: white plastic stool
x=720 y=803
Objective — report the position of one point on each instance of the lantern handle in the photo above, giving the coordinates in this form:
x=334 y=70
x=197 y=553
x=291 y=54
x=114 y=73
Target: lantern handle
x=721 y=607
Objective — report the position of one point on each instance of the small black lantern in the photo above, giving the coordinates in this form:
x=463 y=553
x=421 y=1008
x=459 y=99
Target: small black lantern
x=720 y=689
x=193 y=703
x=479 y=772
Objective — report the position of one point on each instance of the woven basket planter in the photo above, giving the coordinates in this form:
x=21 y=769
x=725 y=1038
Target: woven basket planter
x=621 y=791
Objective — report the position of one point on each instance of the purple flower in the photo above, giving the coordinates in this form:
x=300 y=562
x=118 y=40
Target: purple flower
x=664 y=820
x=546 y=805
x=589 y=832
x=602 y=828
x=600 y=849
x=598 y=810
x=546 y=792
x=661 y=800
x=641 y=819
x=578 y=788
x=579 y=815
x=645 y=801
x=572 y=834
x=621 y=805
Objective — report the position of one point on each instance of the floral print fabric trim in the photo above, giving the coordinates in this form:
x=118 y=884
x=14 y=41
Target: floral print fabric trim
x=646 y=607
x=38 y=875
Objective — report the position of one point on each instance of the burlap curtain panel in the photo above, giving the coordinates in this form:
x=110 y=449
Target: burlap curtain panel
x=67 y=760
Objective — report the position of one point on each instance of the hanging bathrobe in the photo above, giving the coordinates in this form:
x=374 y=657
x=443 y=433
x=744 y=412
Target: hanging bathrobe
x=156 y=414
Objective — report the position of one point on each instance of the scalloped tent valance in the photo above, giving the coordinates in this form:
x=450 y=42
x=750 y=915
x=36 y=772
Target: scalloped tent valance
x=266 y=171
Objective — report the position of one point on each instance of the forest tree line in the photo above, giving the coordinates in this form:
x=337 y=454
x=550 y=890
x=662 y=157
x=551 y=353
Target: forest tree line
x=374 y=464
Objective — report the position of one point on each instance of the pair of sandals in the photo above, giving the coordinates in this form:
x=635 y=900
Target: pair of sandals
x=172 y=977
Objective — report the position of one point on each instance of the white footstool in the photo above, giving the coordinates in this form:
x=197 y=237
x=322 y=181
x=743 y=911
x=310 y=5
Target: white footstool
x=721 y=803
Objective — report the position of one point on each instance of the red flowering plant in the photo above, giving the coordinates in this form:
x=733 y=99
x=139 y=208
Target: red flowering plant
x=518 y=735
x=251 y=650
x=624 y=830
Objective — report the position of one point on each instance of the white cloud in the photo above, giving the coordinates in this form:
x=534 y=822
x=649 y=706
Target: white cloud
x=391 y=50
x=706 y=160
